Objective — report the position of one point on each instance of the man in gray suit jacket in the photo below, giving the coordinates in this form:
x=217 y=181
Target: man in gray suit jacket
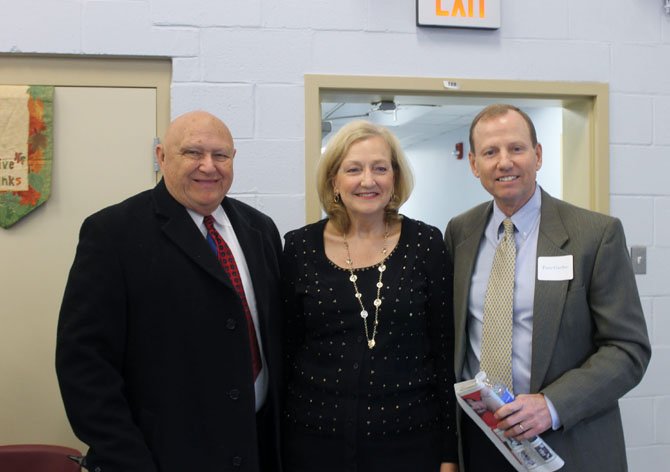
x=155 y=355
x=579 y=339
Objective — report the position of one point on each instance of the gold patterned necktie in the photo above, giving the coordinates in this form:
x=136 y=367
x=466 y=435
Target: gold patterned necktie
x=496 y=358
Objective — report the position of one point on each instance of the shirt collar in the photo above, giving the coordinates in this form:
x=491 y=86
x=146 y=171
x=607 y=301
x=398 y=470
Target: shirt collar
x=525 y=219
x=219 y=215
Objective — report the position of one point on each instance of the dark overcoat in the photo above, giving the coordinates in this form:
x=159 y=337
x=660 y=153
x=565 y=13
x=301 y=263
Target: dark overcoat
x=152 y=352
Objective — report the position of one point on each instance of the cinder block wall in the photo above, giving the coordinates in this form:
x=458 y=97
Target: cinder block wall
x=245 y=59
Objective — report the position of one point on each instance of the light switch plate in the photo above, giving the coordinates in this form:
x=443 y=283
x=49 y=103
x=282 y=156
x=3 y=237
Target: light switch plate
x=638 y=256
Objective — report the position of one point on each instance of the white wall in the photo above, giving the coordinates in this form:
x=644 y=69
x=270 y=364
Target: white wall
x=549 y=128
x=245 y=60
x=445 y=186
x=439 y=177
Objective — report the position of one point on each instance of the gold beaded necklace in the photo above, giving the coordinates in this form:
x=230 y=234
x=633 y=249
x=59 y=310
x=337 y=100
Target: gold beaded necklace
x=378 y=300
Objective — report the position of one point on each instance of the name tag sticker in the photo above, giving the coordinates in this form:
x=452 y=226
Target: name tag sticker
x=555 y=268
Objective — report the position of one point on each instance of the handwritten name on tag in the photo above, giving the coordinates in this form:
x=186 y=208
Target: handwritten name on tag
x=555 y=268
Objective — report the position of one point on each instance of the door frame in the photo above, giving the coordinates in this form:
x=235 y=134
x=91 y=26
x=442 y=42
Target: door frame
x=94 y=71
x=585 y=141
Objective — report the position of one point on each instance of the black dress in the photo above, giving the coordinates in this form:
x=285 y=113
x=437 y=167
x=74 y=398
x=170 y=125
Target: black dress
x=351 y=408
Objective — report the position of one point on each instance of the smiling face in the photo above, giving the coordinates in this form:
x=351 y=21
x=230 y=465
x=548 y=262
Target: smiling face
x=505 y=160
x=364 y=180
x=197 y=161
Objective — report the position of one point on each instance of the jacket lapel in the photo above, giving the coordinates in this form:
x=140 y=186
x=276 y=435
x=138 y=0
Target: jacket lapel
x=251 y=242
x=464 y=264
x=178 y=226
x=549 y=298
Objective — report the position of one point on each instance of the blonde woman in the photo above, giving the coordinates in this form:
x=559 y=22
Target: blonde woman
x=369 y=335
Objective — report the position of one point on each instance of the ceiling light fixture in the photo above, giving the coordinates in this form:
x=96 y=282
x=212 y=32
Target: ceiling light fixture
x=388 y=113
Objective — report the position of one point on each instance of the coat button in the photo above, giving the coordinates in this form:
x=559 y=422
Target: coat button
x=231 y=324
x=234 y=394
x=237 y=461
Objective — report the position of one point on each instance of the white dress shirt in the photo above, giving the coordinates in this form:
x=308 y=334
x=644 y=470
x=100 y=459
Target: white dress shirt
x=225 y=229
x=526 y=230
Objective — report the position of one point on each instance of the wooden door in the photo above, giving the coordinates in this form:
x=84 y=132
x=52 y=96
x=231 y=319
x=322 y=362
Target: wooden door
x=103 y=153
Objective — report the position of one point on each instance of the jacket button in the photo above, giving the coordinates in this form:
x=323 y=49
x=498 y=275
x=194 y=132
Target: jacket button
x=234 y=394
x=237 y=461
x=231 y=324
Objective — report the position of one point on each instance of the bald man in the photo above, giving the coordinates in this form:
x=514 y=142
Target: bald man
x=167 y=360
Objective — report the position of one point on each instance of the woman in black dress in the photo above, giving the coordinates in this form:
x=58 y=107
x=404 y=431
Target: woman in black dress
x=369 y=329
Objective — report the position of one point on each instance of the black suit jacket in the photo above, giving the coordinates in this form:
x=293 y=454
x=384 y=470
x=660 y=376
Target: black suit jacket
x=152 y=352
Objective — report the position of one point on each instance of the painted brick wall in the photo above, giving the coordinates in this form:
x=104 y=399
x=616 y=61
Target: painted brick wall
x=244 y=60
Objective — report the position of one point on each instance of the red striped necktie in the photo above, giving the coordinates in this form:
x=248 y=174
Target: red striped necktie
x=227 y=261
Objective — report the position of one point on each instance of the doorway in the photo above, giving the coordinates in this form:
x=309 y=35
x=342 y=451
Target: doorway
x=107 y=113
x=430 y=116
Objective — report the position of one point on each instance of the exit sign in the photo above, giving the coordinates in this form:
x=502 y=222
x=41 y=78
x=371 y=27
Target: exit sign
x=459 y=13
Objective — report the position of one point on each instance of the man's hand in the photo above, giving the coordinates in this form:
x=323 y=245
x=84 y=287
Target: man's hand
x=525 y=417
x=448 y=467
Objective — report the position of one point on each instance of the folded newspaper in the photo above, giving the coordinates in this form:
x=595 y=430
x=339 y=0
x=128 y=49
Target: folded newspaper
x=479 y=399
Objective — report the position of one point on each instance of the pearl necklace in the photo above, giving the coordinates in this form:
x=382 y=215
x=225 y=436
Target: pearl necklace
x=378 y=301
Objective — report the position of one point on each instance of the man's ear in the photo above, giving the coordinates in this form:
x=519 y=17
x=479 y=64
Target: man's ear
x=473 y=166
x=160 y=155
x=538 y=152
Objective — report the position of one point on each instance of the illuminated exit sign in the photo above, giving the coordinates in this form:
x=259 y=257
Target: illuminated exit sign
x=459 y=13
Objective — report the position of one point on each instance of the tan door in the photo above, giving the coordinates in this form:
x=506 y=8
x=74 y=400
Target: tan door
x=102 y=154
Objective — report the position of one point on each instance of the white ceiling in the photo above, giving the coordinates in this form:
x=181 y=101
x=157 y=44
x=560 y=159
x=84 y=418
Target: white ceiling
x=415 y=118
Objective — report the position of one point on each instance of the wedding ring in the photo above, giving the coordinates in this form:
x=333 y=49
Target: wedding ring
x=521 y=427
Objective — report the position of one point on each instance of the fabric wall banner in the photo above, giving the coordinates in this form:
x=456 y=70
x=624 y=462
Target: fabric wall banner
x=26 y=149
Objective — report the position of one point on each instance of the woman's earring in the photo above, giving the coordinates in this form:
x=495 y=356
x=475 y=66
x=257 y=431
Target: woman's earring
x=336 y=198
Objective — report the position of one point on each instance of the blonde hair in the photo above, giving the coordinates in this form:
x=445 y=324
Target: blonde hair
x=331 y=160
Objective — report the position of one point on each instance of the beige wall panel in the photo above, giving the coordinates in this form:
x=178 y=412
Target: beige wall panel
x=102 y=154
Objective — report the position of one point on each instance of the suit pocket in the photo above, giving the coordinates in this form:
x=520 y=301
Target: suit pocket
x=149 y=427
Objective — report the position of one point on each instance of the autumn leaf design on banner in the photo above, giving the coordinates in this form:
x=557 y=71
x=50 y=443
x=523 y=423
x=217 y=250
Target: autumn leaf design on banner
x=26 y=149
